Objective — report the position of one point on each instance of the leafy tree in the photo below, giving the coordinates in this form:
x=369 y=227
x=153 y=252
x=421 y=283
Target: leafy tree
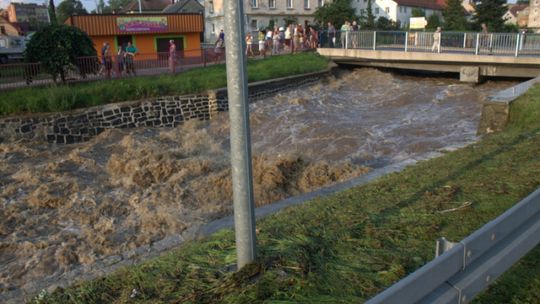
x=290 y=20
x=57 y=48
x=367 y=21
x=384 y=23
x=118 y=5
x=68 y=8
x=454 y=16
x=336 y=12
x=491 y=13
x=52 y=12
x=433 y=21
x=418 y=12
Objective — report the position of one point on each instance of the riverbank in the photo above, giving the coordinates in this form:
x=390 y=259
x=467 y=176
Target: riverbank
x=82 y=95
x=349 y=246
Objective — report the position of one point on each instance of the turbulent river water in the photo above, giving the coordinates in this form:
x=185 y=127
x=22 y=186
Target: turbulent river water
x=63 y=207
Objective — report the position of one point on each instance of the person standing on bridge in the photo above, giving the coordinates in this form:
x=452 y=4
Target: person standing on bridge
x=331 y=35
x=437 y=40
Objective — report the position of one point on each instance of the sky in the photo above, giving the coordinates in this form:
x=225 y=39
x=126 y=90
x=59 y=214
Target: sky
x=88 y=4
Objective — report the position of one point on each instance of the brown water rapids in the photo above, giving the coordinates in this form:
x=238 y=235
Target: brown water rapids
x=66 y=206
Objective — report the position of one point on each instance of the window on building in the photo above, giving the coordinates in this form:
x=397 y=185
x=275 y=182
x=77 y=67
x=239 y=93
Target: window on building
x=272 y=3
x=306 y=4
x=211 y=6
x=3 y=30
x=254 y=24
x=362 y=11
x=376 y=11
x=255 y=3
x=213 y=28
x=387 y=10
x=320 y=3
x=289 y=3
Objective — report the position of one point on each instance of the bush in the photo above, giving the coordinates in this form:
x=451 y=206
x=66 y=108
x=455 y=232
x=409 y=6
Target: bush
x=57 y=48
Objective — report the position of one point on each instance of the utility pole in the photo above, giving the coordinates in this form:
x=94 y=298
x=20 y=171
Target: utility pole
x=237 y=90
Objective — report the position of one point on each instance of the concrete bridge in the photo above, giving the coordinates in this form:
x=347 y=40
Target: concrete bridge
x=472 y=55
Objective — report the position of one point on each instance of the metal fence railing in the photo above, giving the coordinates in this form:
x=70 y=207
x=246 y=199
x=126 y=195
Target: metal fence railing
x=15 y=75
x=464 y=269
x=502 y=44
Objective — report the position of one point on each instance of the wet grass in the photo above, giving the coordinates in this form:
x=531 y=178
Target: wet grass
x=68 y=97
x=348 y=247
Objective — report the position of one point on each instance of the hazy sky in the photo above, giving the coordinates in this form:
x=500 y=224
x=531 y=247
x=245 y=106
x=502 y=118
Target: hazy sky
x=88 y=4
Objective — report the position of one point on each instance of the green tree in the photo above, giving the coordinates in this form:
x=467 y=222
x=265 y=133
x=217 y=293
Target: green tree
x=491 y=13
x=336 y=12
x=117 y=5
x=418 y=12
x=454 y=16
x=367 y=20
x=68 y=8
x=52 y=12
x=57 y=48
x=433 y=21
x=384 y=23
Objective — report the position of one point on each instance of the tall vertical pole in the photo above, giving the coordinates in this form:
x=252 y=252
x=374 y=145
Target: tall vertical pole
x=140 y=7
x=237 y=90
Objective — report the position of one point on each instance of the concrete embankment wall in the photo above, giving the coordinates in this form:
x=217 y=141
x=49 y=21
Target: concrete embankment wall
x=496 y=109
x=83 y=124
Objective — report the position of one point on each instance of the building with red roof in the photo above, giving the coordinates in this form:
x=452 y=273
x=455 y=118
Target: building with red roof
x=399 y=10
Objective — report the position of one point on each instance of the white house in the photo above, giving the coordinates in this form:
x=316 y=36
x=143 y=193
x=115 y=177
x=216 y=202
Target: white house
x=398 y=10
x=259 y=13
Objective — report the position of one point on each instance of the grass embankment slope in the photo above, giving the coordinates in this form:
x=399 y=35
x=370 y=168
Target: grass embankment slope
x=347 y=247
x=81 y=95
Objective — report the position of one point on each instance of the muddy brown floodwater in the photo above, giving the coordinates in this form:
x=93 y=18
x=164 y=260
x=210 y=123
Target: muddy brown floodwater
x=67 y=206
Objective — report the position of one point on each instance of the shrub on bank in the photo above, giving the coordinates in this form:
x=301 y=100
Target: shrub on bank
x=68 y=97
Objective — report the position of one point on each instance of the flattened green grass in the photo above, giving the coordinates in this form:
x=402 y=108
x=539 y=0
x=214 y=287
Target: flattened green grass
x=348 y=247
x=68 y=97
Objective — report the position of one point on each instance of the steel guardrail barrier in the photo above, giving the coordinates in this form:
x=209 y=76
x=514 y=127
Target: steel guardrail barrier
x=471 y=265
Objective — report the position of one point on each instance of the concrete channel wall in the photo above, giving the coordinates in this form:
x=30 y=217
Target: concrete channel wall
x=496 y=108
x=83 y=124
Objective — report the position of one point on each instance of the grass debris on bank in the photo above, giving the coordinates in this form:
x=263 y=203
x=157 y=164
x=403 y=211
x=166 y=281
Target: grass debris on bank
x=81 y=95
x=348 y=247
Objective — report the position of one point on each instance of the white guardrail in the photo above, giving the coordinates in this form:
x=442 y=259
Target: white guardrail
x=502 y=44
x=466 y=268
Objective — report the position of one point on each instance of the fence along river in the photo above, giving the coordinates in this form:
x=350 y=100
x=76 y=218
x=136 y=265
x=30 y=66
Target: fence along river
x=66 y=208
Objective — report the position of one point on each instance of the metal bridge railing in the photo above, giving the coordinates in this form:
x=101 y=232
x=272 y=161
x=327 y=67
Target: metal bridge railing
x=464 y=269
x=501 y=44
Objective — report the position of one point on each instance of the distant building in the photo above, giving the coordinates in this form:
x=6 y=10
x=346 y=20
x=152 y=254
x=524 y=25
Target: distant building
x=163 y=6
x=185 y=6
x=515 y=14
x=261 y=13
x=27 y=12
x=398 y=10
x=534 y=15
x=147 y=6
x=8 y=29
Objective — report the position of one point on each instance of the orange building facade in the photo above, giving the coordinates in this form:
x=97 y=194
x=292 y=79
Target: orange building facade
x=149 y=33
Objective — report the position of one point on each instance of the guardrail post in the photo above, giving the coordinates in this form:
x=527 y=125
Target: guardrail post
x=374 y=39
x=346 y=40
x=465 y=40
x=477 y=43
x=517 y=44
x=490 y=43
x=406 y=41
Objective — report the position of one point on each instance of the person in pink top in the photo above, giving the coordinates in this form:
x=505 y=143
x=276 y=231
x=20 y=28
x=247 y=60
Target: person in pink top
x=172 y=56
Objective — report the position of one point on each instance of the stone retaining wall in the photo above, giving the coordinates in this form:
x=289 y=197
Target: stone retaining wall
x=83 y=124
